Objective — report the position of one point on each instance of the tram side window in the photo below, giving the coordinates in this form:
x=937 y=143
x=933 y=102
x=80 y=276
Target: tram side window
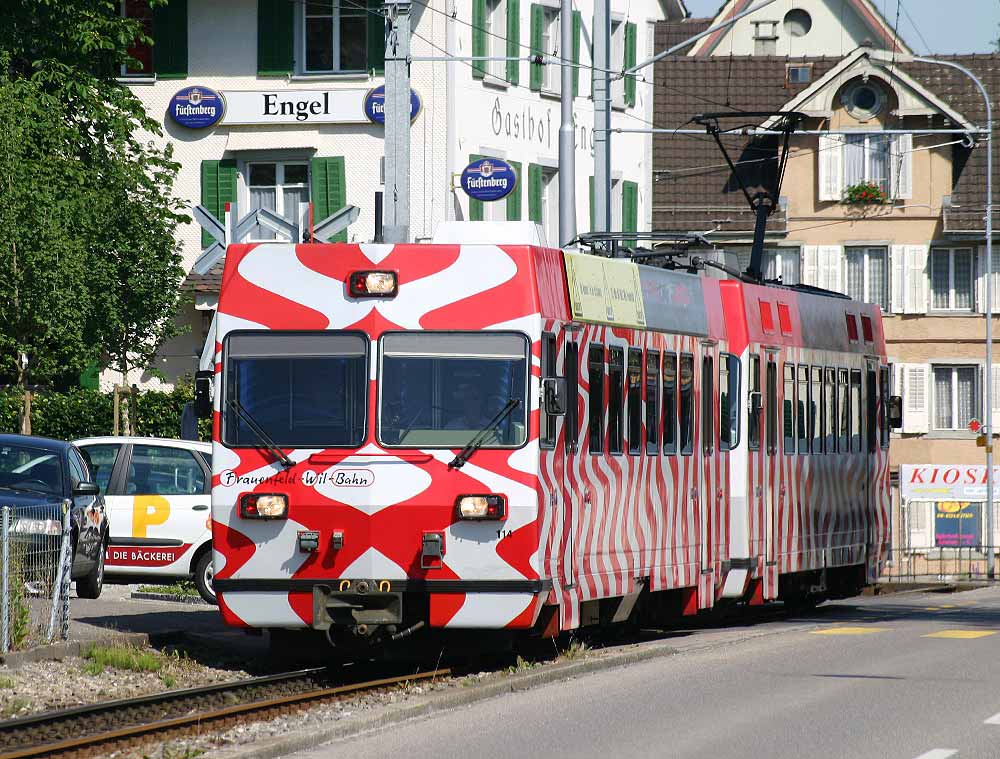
x=756 y=407
x=707 y=405
x=883 y=406
x=815 y=396
x=830 y=410
x=788 y=408
x=652 y=401
x=595 y=362
x=634 y=400
x=856 y=410
x=772 y=407
x=872 y=405
x=572 y=421
x=616 y=381
x=729 y=405
x=801 y=406
x=844 y=407
x=687 y=404
x=670 y=403
x=547 y=436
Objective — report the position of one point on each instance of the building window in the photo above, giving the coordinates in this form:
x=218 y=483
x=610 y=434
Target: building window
x=335 y=36
x=956 y=396
x=496 y=38
x=550 y=204
x=797 y=22
x=551 y=75
x=141 y=52
x=798 y=74
x=279 y=187
x=778 y=263
x=864 y=100
x=867 y=275
x=866 y=159
x=951 y=279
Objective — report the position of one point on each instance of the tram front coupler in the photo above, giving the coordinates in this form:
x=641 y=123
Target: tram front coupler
x=361 y=606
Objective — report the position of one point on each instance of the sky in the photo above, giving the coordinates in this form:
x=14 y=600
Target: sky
x=937 y=26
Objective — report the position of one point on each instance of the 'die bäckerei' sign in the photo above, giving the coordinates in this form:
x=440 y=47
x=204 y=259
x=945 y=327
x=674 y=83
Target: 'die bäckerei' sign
x=374 y=105
x=197 y=107
x=489 y=179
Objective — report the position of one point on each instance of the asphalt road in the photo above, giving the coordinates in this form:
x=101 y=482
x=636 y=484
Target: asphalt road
x=905 y=676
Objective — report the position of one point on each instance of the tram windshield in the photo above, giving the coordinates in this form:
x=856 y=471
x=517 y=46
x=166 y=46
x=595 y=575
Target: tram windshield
x=301 y=389
x=442 y=389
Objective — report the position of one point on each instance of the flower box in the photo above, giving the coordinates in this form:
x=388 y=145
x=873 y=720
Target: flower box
x=864 y=193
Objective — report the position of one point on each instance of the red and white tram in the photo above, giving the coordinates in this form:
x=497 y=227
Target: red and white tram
x=513 y=437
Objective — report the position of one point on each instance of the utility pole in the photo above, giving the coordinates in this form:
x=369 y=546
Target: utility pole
x=602 y=116
x=396 y=226
x=567 y=132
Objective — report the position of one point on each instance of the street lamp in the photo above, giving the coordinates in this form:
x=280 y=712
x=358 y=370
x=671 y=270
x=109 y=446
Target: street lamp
x=988 y=394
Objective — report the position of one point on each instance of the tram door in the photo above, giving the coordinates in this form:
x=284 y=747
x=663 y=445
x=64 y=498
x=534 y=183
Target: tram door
x=769 y=474
x=871 y=448
x=706 y=469
x=572 y=546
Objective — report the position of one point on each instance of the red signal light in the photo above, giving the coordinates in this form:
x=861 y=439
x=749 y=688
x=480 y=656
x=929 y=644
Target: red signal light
x=373 y=284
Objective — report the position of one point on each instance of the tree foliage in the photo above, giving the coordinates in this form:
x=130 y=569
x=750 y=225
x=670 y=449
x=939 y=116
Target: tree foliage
x=91 y=266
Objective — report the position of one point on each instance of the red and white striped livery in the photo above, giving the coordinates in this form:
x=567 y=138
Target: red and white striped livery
x=513 y=437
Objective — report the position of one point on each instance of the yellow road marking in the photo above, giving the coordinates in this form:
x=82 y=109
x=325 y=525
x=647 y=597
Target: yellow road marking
x=849 y=630
x=932 y=608
x=947 y=606
x=960 y=634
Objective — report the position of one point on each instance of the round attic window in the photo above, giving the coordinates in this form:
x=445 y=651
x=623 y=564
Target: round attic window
x=798 y=22
x=864 y=101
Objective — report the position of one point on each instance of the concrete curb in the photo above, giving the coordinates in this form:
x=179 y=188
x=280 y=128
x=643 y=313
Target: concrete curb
x=16 y=659
x=495 y=685
x=143 y=596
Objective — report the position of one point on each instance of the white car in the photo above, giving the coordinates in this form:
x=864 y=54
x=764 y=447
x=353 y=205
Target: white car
x=158 y=494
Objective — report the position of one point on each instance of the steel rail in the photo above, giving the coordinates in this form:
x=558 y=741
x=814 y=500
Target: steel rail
x=194 y=718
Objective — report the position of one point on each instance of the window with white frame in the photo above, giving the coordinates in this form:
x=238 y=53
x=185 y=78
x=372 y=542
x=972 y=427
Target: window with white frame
x=335 y=36
x=140 y=52
x=952 y=274
x=550 y=204
x=496 y=37
x=956 y=396
x=778 y=263
x=551 y=75
x=281 y=187
x=846 y=160
x=618 y=62
x=867 y=159
x=866 y=274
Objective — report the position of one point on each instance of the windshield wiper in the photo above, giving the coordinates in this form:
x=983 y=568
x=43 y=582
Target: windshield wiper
x=477 y=442
x=257 y=430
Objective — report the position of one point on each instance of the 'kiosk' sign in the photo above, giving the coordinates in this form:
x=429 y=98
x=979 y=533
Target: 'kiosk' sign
x=489 y=179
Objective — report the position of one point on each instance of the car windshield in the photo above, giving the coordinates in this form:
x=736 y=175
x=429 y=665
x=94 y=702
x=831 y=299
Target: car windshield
x=441 y=389
x=301 y=389
x=25 y=468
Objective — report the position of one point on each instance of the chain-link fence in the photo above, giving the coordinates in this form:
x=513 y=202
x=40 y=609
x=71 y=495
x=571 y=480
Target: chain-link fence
x=35 y=558
x=935 y=564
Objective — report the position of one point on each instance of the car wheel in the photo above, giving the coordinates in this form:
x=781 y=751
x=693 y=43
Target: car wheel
x=90 y=585
x=204 y=571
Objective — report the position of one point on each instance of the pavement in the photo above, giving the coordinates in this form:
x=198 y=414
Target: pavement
x=904 y=676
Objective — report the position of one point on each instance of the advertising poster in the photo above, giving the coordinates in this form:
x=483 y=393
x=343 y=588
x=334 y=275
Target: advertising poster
x=957 y=524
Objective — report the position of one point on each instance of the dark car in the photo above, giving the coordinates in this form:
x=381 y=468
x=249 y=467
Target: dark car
x=39 y=475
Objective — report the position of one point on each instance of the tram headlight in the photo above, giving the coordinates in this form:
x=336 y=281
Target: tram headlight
x=373 y=284
x=481 y=507
x=264 y=506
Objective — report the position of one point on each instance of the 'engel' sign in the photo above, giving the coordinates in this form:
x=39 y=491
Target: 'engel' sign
x=945 y=482
x=489 y=179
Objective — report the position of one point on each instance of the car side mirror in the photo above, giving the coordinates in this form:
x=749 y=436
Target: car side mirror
x=204 y=380
x=895 y=412
x=87 y=488
x=554 y=395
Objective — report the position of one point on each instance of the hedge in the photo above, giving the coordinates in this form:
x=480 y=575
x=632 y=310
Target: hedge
x=85 y=413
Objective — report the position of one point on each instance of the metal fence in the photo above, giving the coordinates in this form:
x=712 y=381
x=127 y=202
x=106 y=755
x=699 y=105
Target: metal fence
x=35 y=559
x=935 y=564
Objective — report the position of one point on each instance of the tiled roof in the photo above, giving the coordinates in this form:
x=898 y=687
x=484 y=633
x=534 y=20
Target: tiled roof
x=204 y=283
x=693 y=190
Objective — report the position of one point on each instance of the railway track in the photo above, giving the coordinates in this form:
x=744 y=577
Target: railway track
x=99 y=729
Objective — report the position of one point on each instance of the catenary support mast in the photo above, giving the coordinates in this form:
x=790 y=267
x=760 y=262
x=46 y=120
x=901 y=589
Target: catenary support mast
x=396 y=224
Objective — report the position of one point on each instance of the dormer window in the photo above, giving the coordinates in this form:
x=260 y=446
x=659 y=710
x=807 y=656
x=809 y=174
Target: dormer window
x=864 y=100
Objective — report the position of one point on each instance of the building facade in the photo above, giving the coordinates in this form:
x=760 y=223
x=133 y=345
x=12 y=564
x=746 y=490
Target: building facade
x=294 y=76
x=882 y=198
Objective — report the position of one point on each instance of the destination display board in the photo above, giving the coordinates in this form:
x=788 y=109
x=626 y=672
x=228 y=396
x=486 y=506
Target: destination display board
x=673 y=301
x=605 y=290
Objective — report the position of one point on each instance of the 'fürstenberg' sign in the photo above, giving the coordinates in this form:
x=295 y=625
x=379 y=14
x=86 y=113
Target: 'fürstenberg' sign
x=295 y=107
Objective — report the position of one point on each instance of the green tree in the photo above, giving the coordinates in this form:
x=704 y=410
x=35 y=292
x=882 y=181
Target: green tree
x=86 y=209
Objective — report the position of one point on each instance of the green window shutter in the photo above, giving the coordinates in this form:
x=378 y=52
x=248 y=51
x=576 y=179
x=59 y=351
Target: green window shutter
x=629 y=63
x=170 y=40
x=477 y=211
x=514 y=199
x=218 y=187
x=275 y=37
x=479 y=37
x=537 y=20
x=328 y=190
x=376 y=37
x=513 y=40
x=535 y=193
x=630 y=209
x=577 y=29
x=592 y=209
